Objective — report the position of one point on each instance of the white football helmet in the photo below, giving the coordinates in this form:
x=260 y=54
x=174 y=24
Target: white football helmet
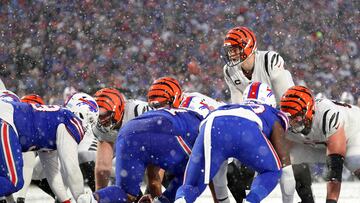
x=85 y=108
x=347 y=97
x=261 y=93
x=8 y=96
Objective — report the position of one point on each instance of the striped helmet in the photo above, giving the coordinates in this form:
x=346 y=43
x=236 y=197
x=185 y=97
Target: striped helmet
x=298 y=103
x=32 y=99
x=239 y=44
x=165 y=91
x=111 y=105
x=259 y=93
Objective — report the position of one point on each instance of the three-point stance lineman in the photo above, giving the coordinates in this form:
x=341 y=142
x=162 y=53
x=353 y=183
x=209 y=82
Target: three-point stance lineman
x=52 y=131
x=162 y=138
x=325 y=131
x=242 y=132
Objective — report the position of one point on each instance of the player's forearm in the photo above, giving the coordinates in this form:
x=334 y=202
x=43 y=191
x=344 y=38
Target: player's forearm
x=280 y=144
x=102 y=178
x=103 y=165
x=333 y=190
x=67 y=148
x=49 y=160
x=155 y=177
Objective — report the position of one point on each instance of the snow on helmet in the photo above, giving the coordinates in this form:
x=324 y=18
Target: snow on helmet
x=8 y=96
x=259 y=93
x=85 y=108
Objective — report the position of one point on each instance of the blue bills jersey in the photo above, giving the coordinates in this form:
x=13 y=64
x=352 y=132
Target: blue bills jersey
x=267 y=114
x=36 y=125
x=162 y=138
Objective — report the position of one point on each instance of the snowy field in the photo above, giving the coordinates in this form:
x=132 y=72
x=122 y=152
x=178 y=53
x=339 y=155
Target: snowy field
x=350 y=193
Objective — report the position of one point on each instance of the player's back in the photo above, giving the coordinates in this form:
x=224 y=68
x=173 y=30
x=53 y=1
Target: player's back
x=165 y=136
x=37 y=125
x=267 y=114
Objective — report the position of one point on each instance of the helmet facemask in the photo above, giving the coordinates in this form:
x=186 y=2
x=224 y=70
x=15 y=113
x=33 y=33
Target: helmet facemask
x=107 y=121
x=299 y=123
x=298 y=103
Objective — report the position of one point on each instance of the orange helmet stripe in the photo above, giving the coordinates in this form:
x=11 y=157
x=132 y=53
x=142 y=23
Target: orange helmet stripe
x=32 y=99
x=111 y=99
x=165 y=90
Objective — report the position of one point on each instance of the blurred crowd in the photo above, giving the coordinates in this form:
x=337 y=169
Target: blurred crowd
x=48 y=45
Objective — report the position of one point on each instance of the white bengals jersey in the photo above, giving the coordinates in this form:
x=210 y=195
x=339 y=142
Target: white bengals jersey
x=133 y=108
x=200 y=103
x=329 y=116
x=269 y=69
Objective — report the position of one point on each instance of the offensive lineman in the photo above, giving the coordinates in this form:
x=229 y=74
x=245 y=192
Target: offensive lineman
x=246 y=132
x=166 y=92
x=52 y=131
x=115 y=111
x=161 y=138
x=329 y=131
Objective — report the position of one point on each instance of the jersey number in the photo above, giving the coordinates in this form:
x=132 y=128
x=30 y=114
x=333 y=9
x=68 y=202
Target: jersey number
x=48 y=108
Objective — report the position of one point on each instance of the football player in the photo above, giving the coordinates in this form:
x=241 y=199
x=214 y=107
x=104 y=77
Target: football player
x=246 y=64
x=115 y=111
x=329 y=131
x=161 y=138
x=252 y=133
x=52 y=131
x=28 y=157
x=167 y=92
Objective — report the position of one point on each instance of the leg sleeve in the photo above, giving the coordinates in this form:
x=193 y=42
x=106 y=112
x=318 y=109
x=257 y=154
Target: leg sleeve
x=11 y=162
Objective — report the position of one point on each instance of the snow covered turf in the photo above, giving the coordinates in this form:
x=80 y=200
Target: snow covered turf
x=350 y=193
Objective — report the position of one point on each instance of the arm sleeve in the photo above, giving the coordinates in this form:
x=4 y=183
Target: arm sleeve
x=281 y=78
x=49 y=161
x=67 y=151
x=287 y=184
x=29 y=163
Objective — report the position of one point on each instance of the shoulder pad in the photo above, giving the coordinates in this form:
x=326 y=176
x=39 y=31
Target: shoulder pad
x=76 y=129
x=330 y=115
